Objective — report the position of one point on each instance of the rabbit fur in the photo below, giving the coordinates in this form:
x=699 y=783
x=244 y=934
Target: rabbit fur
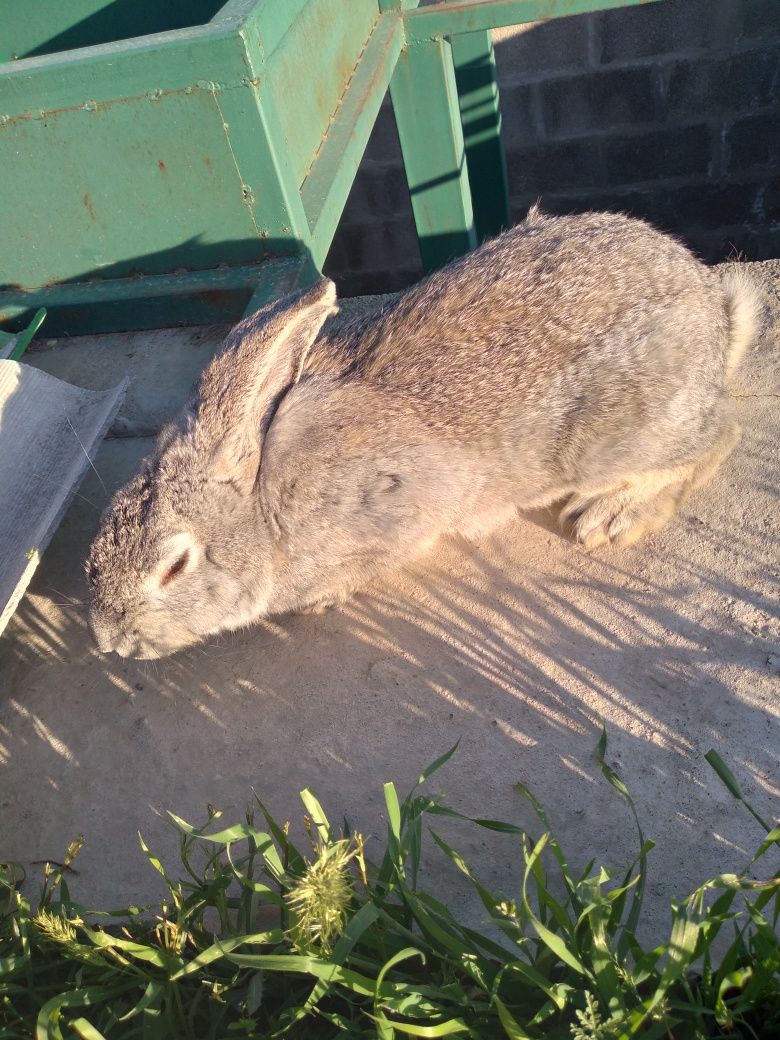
x=578 y=359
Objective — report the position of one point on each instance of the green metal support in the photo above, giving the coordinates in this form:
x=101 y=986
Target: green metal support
x=475 y=75
x=328 y=182
x=13 y=346
x=191 y=297
x=180 y=161
x=425 y=102
x=464 y=16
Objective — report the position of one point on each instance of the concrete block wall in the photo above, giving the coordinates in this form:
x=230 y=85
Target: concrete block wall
x=670 y=112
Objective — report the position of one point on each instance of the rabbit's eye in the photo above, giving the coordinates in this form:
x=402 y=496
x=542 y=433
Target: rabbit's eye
x=175 y=568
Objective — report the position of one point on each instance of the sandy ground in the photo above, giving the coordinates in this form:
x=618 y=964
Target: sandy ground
x=519 y=646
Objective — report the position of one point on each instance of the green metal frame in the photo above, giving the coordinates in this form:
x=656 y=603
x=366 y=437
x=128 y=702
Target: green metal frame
x=193 y=172
x=13 y=346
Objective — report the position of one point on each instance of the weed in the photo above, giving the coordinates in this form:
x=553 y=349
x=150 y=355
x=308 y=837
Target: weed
x=357 y=950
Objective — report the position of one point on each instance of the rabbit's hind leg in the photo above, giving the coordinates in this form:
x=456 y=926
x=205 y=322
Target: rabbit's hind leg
x=624 y=514
x=642 y=504
x=725 y=443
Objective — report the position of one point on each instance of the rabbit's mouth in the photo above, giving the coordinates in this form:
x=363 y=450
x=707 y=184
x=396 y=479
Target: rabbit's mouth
x=131 y=644
x=141 y=651
x=126 y=645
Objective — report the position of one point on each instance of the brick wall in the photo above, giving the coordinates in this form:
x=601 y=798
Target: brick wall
x=670 y=112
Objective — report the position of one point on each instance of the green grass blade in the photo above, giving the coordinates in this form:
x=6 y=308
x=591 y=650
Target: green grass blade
x=491 y=825
x=356 y=927
x=165 y=959
x=155 y=861
x=393 y=811
x=85 y=1030
x=398 y=958
x=292 y=857
x=639 y=891
x=384 y=1025
x=151 y=998
x=509 y=1023
x=554 y=942
x=298 y=964
x=438 y=763
x=724 y=774
x=317 y=814
x=47 y=1024
x=535 y=978
x=451 y=1027
x=729 y=780
x=222 y=947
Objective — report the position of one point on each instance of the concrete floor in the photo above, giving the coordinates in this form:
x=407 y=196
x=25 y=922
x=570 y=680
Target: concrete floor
x=520 y=646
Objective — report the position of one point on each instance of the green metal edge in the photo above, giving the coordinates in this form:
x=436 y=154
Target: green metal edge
x=268 y=23
x=154 y=301
x=325 y=190
x=145 y=67
x=23 y=338
x=462 y=16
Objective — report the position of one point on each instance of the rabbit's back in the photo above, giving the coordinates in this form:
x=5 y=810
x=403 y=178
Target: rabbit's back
x=501 y=327
x=567 y=339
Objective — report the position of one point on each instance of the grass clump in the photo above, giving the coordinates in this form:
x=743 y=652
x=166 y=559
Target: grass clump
x=256 y=939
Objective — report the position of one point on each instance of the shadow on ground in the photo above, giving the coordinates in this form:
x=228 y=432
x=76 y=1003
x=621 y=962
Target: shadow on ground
x=521 y=646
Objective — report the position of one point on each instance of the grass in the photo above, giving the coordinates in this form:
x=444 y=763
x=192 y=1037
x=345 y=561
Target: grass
x=260 y=939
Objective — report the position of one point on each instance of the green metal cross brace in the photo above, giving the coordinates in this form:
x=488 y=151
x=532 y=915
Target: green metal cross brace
x=425 y=101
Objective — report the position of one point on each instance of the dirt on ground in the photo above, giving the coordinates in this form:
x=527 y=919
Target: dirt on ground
x=521 y=646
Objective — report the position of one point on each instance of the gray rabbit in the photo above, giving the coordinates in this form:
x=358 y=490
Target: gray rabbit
x=577 y=360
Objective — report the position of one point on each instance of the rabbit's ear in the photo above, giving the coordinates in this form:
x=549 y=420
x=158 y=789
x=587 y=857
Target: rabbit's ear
x=242 y=387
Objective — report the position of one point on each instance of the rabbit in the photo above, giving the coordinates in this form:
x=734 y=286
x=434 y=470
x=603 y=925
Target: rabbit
x=579 y=360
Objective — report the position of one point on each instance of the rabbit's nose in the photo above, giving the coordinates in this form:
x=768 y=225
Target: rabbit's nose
x=106 y=637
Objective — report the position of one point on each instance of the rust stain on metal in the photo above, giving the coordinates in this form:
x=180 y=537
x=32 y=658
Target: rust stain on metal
x=161 y=166
x=86 y=200
x=217 y=296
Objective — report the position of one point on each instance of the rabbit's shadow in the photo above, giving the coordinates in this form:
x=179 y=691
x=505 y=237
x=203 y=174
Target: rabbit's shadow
x=548 y=519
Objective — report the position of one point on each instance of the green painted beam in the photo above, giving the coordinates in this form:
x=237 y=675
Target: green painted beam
x=151 y=67
x=238 y=12
x=268 y=23
x=463 y=16
x=51 y=26
x=325 y=190
x=213 y=147
x=397 y=5
x=157 y=169
x=123 y=304
x=263 y=171
x=307 y=75
x=475 y=75
x=286 y=277
x=425 y=102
